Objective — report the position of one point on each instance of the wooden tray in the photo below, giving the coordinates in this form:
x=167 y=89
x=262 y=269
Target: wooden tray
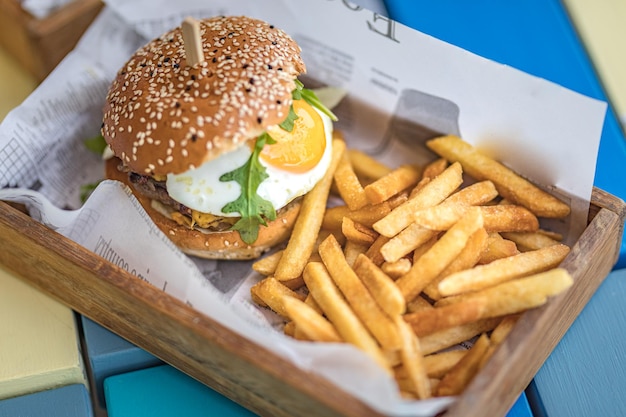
x=40 y=44
x=259 y=379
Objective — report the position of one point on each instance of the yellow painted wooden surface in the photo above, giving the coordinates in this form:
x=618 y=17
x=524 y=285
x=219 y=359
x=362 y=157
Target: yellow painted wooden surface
x=39 y=347
x=601 y=26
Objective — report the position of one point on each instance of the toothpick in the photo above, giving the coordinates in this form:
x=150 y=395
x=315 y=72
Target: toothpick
x=192 y=41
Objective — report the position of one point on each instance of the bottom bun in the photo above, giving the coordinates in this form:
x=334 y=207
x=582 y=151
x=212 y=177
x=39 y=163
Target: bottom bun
x=213 y=245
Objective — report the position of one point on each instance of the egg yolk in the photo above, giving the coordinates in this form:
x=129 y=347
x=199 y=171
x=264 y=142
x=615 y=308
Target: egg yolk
x=301 y=149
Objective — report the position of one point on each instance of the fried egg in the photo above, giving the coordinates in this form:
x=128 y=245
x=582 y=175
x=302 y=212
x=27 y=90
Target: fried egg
x=294 y=164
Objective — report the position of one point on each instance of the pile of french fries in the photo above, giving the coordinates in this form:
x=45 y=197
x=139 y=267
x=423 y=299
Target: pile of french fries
x=415 y=263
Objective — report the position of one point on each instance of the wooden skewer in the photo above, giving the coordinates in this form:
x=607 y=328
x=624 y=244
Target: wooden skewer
x=192 y=41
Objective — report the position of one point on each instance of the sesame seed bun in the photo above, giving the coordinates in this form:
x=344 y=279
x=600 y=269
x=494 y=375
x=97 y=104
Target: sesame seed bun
x=213 y=245
x=163 y=116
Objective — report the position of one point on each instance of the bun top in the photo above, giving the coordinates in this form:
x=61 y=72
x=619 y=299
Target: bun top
x=163 y=116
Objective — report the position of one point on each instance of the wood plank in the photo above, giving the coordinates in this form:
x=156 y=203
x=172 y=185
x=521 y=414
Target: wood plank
x=39 y=341
x=163 y=391
x=108 y=354
x=68 y=401
x=586 y=373
x=258 y=378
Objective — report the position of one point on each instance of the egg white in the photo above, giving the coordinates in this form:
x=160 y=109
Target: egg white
x=201 y=189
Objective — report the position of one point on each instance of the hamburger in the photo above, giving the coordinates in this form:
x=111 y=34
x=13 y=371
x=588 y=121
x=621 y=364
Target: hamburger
x=218 y=151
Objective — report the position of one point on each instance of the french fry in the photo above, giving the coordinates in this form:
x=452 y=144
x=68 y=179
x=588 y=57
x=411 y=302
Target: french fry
x=393 y=358
x=374 y=251
x=418 y=304
x=453 y=336
x=413 y=360
x=352 y=250
x=348 y=325
x=444 y=215
x=348 y=185
x=468 y=257
x=517 y=295
x=438 y=364
x=367 y=215
x=551 y=234
x=310 y=301
x=397 y=268
x=401 y=178
x=418 y=187
x=526 y=241
x=269 y=292
x=358 y=233
x=428 y=321
x=435 y=168
x=440 y=217
x=406 y=241
x=323 y=234
x=298 y=334
x=462 y=373
x=509 y=218
x=357 y=295
x=497 y=248
x=398 y=200
x=509 y=184
x=433 y=193
x=433 y=262
x=365 y=166
x=497 y=218
x=422 y=249
x=498 y=335
x=290 y=329
x=504 y=269
x=381 y=287
x=294 y=283
x=267 y=265
x=475 y=194
x=310 y=322
x=307 y=226
x=503 y=329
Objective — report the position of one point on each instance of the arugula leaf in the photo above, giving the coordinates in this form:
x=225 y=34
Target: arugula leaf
x=301 y=93
x=253 y=208
x=309 y=96
x=289 y=122
x=97 y=144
